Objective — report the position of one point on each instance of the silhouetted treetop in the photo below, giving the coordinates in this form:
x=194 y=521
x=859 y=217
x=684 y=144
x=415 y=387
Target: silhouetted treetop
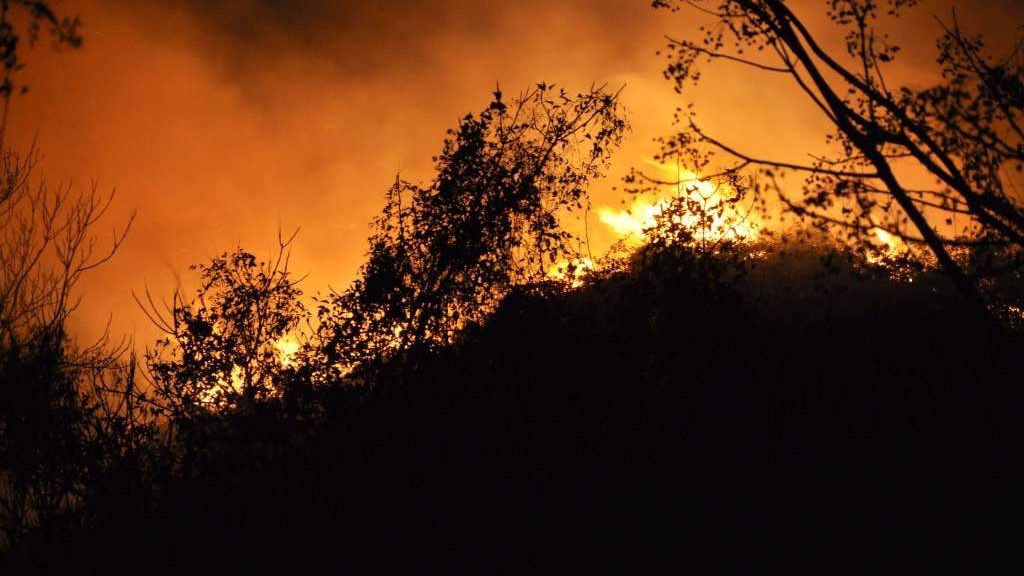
x=443 y=254
x=222 y=348
x=965 y=131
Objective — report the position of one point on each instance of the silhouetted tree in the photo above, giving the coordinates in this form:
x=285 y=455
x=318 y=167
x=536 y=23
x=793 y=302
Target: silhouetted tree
x=223 y=359
x=69 y=417
x=443 y=255
x=51 y=429
x=223 y=347
x=964 y=131
x=47 y=244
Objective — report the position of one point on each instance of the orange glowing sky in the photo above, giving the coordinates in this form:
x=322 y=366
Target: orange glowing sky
x=219 y=122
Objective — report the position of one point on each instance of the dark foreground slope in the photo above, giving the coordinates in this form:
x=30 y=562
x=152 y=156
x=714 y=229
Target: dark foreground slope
x=648 y=417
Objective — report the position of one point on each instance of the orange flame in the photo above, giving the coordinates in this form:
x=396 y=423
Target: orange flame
x=631 y=225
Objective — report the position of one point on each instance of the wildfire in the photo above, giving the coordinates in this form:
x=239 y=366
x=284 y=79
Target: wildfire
x=632 y=224
x=889 y=246
x=287 y=347
x=571 y=271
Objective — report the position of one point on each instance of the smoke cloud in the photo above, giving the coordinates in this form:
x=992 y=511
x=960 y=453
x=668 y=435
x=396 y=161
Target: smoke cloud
x=221 y=122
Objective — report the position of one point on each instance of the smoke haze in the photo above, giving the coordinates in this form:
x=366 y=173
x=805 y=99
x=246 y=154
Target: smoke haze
x=222 y=122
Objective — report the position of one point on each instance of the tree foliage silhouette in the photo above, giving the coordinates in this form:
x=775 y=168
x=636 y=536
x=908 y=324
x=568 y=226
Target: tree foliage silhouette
x=443 y=255
x=75 y=431
x=223 y=384
x=71 y=424
x=59 y=422
x=964 y=131
x=56 y=419
x=702 y=237
x=62 y=29
x=222 y=348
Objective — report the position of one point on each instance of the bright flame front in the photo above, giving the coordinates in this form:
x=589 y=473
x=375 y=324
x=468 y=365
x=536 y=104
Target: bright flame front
x=633 y=224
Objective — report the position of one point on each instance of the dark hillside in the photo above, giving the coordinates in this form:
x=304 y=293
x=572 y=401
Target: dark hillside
x=645 y=416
